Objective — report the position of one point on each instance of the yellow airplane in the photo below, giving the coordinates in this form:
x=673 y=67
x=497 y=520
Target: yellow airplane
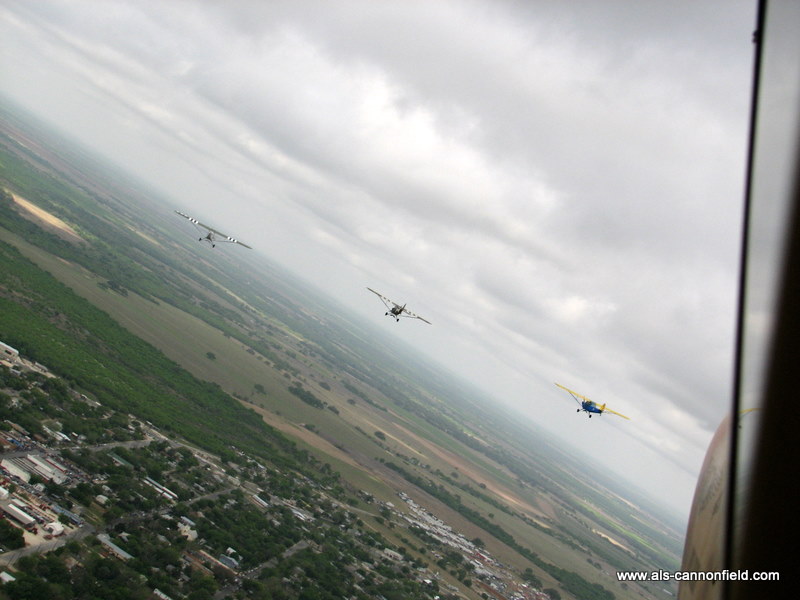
x=590 y=406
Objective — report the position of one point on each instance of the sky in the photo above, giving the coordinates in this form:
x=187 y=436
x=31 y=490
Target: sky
x=556 y=186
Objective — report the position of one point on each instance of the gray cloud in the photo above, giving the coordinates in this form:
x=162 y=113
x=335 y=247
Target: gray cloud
x=557 y=187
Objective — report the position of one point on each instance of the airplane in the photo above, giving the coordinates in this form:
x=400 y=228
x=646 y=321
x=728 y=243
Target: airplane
x=396 y=310
x=211 y=235
x=588 y=406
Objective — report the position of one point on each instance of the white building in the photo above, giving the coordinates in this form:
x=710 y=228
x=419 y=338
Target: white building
x=20 y=515
x=301 y=514
x=163 y=491
x=186 y=531
x=5 y=577
x=12 y=467
x=55 y=528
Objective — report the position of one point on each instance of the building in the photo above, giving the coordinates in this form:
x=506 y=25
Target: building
x=74 y=519
x=55 y=528
x=187 y=532
x=301 y=514
x=229 y=561
x=44 y=470
x=15 y=470
x=19 y=515
x=392 y=554
x=112 y=547
x=162 y=491
x=260 y=501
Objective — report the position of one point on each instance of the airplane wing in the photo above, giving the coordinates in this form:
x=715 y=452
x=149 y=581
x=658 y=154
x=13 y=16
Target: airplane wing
x=225 y=237
x=195 y=221
x=232 y=241
x=384 y=299
x=613 y=412
x=410 y=315
x=390 y=304
x=575 y=395
x=578 y=397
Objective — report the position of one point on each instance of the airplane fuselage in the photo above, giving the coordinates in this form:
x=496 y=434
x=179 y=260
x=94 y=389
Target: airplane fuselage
x=590 y=407
x=396 y=311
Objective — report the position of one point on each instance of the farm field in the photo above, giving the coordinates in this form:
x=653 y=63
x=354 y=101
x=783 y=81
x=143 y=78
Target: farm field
x=386 y=426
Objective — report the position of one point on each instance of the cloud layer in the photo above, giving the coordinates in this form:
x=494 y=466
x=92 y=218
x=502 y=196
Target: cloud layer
x=558 y=188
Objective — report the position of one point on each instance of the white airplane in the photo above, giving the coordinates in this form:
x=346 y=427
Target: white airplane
x=211 y=235
x=396 y=310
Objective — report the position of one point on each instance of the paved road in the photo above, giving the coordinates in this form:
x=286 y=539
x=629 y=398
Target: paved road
x=54 y=451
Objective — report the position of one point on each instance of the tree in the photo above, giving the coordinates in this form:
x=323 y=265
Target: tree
x=11 y=537
x=28 y=587
x=531 y=578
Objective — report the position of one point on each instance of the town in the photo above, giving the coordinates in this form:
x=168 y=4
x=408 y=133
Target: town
x=93 y=497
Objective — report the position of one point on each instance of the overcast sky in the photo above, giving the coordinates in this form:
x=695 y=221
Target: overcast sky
x=557 y=186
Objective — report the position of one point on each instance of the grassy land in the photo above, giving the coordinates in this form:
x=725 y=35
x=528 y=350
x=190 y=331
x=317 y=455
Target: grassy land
x=184 y=333
x=269 y=334
x=180 y=336
x=51 y=324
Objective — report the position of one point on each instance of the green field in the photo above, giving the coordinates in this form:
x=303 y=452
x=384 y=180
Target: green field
x=482 y=468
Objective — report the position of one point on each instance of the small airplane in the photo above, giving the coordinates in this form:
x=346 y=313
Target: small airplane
x=211 y=235
x=589 y=406
x=396 y=310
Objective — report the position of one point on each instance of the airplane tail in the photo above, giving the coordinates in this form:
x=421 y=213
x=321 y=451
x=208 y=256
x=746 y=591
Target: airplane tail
x=602 y=408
